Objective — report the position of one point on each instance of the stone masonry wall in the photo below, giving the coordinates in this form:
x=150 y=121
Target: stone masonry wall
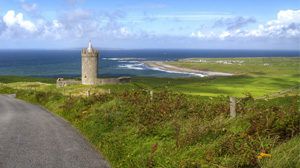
x=100 y=81
x=105 y=81
x=61 y=82
x=89 y=67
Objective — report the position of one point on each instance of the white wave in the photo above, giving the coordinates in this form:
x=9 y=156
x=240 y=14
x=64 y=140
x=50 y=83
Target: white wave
x=133 y=61
x=142 y=66
x=129 y=61
x=132 y=66
x=124 y=59
x=185 y=73
x=112 y=59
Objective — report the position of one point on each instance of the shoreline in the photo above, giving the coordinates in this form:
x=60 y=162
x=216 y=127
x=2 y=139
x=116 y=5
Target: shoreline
x=159 y=65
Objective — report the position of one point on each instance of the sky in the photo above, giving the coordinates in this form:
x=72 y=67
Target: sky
x=143 y=24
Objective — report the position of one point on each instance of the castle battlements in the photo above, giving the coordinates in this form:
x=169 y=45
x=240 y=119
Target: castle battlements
x=85 y=52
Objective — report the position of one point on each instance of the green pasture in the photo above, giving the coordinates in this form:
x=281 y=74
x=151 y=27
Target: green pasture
x=251 y=76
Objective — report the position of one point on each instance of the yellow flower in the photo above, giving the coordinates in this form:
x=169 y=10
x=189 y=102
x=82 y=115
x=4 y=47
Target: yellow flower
x=265 y=155
x=84 y=112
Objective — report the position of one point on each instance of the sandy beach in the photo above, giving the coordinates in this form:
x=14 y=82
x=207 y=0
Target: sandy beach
x=169 y=68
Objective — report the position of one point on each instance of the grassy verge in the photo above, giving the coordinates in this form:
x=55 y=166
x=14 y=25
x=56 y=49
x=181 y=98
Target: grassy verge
x=286 y=155
x=174 y=129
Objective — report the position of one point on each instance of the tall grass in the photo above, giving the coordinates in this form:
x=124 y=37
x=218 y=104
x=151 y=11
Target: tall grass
x=176 y=130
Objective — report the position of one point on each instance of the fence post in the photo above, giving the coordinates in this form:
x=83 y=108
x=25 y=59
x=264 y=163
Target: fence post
x=87 y=93
x=232 y=107
x=151 y=95
x=109 y=91
x=70 y=95
x=63 y=91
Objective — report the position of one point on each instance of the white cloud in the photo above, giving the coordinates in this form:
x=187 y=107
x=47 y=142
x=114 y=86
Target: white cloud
x=2 y=26
x=124 y=31
x=224 y=35
x=10 y=19
x=192 y=17
x=289 y=16
x=76 y=15
x=201 y=35
x=193 y=34
x=80 y=24
x=234 y=23
x=144 y=6
x=56 y=24
x=287 y=25
x=29 y=8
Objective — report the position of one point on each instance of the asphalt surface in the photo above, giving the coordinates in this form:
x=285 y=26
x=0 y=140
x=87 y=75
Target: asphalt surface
x=32 y=137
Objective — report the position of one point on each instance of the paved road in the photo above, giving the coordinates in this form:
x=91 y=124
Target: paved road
x=31 y=137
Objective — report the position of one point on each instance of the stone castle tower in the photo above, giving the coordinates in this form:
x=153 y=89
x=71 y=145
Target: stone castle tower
x=89 y=61
x=89 y=71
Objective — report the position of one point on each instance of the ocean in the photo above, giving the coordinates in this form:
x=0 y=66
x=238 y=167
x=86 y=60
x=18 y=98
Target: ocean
x=67 y=63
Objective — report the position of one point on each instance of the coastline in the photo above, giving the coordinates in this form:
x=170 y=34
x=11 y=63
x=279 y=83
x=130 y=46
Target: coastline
x=159 y=65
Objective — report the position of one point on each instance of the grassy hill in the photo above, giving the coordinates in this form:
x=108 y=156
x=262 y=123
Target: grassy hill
x=257 y=76
x=174 y=129
x=187 y=122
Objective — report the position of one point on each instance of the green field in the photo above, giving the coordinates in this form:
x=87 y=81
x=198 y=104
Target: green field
x=251 y=76
x=187 y=123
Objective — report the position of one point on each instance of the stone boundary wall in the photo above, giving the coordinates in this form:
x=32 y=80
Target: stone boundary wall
x=61 y=82
x=105 y=81
x=278 y=93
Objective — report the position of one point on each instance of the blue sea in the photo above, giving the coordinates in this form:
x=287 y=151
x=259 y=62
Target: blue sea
x=67 y=63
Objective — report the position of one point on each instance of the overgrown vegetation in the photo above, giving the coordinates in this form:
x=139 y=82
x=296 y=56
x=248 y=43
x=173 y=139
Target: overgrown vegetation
x=177 y=130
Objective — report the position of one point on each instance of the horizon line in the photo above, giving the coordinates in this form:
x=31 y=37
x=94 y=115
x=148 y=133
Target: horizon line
x=108 y=48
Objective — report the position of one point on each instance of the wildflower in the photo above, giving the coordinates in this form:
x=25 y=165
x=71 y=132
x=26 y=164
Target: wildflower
x=84 y=112
x=263 y=155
